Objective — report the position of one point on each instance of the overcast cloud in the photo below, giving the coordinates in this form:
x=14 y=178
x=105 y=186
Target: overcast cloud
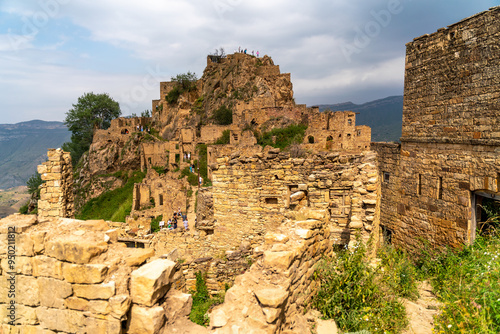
x=53 y=51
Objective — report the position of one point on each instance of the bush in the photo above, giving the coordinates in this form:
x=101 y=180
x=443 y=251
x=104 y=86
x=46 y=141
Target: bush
x=185 y=82
x=224 y=139
x=293 y=134
x=351 y=294
x=155 y=224
x=192 y=178
x=223 y=116
x=202 y=301
x=466 y=282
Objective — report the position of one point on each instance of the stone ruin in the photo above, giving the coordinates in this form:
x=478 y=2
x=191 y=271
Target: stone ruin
x=278 y=211
x=56 y=192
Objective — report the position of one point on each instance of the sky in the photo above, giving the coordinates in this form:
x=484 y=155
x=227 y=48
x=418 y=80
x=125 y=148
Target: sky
x=53 y=51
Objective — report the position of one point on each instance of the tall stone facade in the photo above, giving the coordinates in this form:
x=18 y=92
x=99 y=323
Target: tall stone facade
x=56 y=193
x=448 y=161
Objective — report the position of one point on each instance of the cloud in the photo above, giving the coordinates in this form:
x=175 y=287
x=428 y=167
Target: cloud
x=125 y=47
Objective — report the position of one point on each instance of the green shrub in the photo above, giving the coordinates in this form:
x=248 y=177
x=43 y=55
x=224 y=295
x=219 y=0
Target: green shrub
x=351 y=294
x=466 y=282
x=202 y=301
x=224 y=139
x=192 y=178
x=293 y=134
x=159 y=169
x=24 y=209
x=223 y=115
x=155 y=224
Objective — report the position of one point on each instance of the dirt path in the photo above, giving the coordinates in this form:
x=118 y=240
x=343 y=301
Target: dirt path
x=421 y=312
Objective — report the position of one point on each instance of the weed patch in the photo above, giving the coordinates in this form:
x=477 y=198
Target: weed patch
x=202 y=301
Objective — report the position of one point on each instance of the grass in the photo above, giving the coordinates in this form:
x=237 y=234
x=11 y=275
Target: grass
x=363 y=297
x=357 y=295
x=112 y=205
x=224 y=138
x=202 y=301
x=467 y=283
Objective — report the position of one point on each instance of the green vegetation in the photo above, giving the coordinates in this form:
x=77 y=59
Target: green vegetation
x=223 y=115
x=293 y=134
x=113 y=205
x=202 y=163
x=155 y=224
x=358 y=296
x=198 y=106
x=185 y=82
x=160 y=169
x=202 y=301
x=90 y=113
x=33 y=183
x=224 y=139
x=466 y=282
x=191 y=177
x=366 y=297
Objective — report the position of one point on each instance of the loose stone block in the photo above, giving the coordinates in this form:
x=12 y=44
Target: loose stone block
x=145 y=320
x=74 y=249
x=278 y=260
x=271 y=297
x=151 y=281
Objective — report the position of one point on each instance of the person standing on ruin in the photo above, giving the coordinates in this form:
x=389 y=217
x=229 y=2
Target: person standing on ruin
x=174 y=221
x=185 y=221
x=257 y=53
x=200 y=180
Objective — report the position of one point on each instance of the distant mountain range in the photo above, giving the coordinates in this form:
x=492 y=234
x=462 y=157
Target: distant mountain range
x=384 y=116
x=24 y=145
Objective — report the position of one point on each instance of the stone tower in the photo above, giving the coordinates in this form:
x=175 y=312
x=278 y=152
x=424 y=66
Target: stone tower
x=56 y=194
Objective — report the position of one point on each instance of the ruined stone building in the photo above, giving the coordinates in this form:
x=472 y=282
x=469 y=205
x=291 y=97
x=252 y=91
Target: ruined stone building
x=448 y=161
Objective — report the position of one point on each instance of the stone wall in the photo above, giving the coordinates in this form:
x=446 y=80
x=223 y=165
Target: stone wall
x=448 y=159
x=452 y=82
x=272 y=295
x=56 y=193
x=71 y=276
x=253 y=194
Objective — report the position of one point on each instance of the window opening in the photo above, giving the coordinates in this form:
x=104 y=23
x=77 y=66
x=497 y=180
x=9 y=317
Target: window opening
x=419 y=184
x=440 y=188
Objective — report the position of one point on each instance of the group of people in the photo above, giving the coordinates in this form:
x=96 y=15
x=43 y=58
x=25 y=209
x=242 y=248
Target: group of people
x=141 y=128
x=172 y=222
x=240 y=50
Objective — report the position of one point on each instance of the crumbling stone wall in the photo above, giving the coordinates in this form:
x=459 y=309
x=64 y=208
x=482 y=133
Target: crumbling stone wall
x=271 y=296
x=253 y=194
x=336 y=131
x=451 y=138
x=56 y=193
x=71 y=276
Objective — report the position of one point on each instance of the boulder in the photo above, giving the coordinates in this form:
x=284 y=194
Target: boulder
x=271 y=297
x=74 y=249
x=177 y=304
x=139 y=256
x=145 y=320
x=151 y=281
x=120 y=305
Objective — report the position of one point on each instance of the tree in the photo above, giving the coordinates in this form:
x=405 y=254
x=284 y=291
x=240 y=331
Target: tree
x=90 y=113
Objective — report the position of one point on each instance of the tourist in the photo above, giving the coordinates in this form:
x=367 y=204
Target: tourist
x=174 y=221
x=185 y=221
x=169 y=225
x=257 y=53
x=179 y=212
x=189 y=156
x=252 y=52
x=245 y=52
x=200 y=180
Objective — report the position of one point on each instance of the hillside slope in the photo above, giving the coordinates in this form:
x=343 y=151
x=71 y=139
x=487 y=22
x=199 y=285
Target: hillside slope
x=384 y=116
x=24 y=145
